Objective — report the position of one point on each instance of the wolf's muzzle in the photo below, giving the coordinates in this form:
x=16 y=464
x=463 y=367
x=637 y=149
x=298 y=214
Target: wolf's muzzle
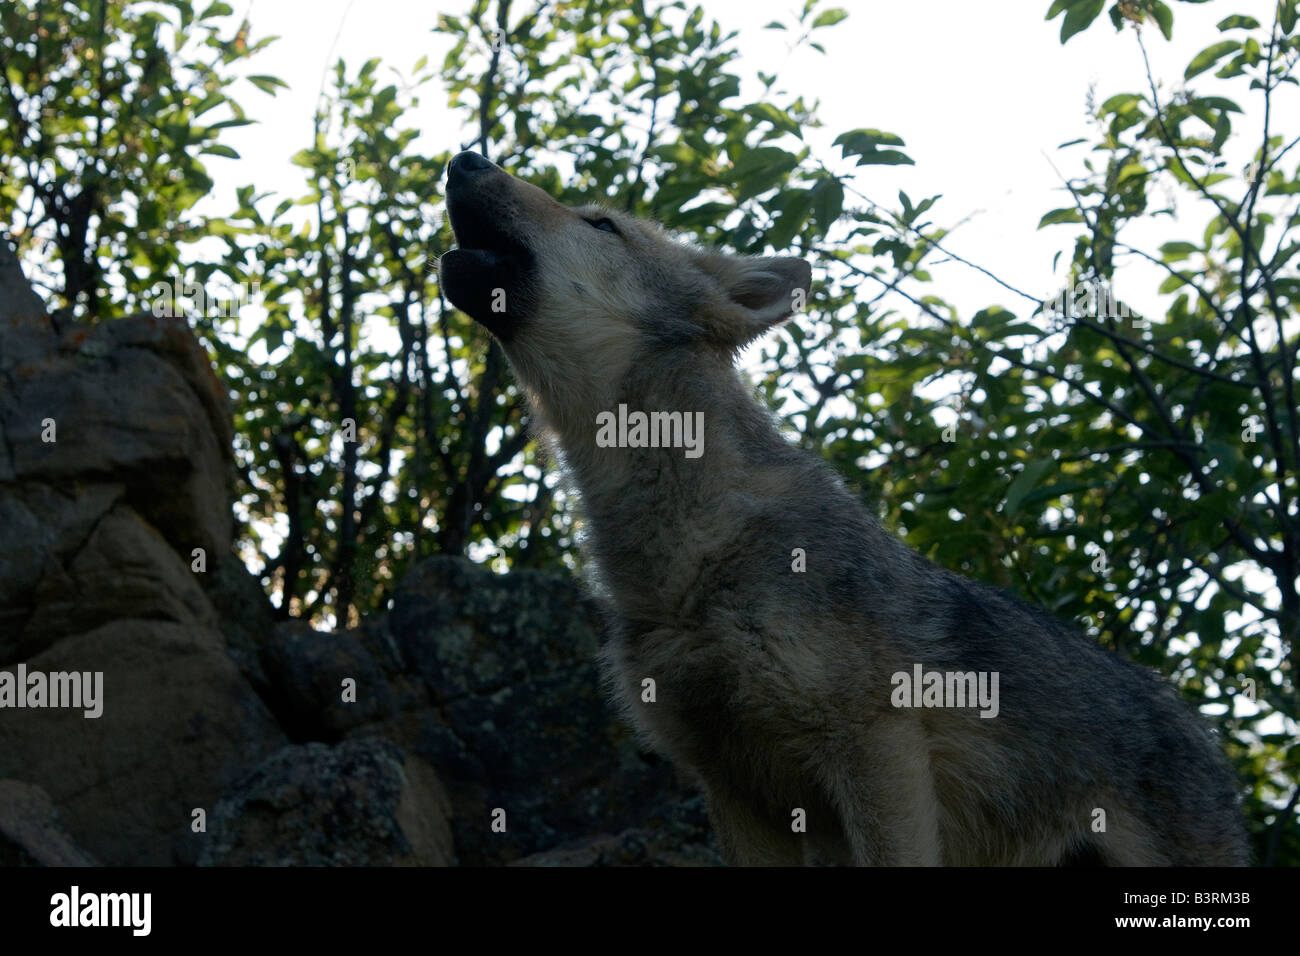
x=490 y=275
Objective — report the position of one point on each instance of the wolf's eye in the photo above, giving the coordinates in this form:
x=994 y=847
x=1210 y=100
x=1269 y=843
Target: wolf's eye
x=605 y=224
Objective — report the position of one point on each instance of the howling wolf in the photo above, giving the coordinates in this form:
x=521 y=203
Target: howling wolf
x=839 y=697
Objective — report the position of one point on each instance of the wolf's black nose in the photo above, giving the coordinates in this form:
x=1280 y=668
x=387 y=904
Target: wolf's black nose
x=466 y=163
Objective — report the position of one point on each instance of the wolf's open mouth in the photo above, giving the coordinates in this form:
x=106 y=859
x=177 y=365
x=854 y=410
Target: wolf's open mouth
x=491 y=275
x=481 y=241
x=487 y=275
x=476 y=232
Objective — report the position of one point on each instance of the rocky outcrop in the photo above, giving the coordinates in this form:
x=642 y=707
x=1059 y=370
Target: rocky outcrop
x=115 y=445
x=489 y=681
x=519 y=727
x=468 y=725
x=362 y=803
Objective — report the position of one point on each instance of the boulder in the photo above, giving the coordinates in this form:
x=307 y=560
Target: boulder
x=115 y=455
x=44 y=527
x=675 y=838
x=29 y=830
x=122 y=569
x=179 y=725
x=360 y=803
x=307 y=669
x=519 y=721
x=244 y=615
x=120 y=402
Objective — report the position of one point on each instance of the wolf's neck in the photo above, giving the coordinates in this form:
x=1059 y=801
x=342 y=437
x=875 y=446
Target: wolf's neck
x=659 y=516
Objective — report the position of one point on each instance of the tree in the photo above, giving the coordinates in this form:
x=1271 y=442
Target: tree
x=105 y=107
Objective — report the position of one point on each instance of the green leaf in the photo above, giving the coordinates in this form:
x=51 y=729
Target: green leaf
x=1171 y=284
x=267 y=84
x=1053 y=491
x=828 y=18
x=758 y=170
x=1228 y=454
x=1237 y=22
x=828 y=202
x=217 y=149
x=1066 y=214
x=1164 y=18
x=1120 y=102
x=860 y=140
x=231 y=123
x=1178 y=251
x=1129 y=171
x=209 y=102
x=1025 y=482
x=994 y=317
x=886 y=157
x=893 y=247
x=1218 y=103
x=864 y=143
x=1079 y=17
x=1222 y=130
x=780 y=119
x=753 y=160
x=1211 y=55
x=1020 y=328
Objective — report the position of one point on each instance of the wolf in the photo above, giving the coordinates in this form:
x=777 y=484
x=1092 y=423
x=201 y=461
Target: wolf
x=768 y=635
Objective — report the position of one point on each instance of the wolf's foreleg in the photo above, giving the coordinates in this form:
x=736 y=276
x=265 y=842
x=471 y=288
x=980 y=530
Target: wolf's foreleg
x=884 y=791
x=748 y=836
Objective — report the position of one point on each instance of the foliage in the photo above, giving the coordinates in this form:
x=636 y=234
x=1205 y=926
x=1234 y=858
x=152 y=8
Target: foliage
x=108 y=108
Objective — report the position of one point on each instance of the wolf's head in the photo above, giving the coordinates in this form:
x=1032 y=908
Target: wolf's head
x=578 y=295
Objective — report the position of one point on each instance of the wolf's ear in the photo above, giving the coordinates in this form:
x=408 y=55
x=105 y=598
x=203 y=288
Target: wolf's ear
x=761 y=292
